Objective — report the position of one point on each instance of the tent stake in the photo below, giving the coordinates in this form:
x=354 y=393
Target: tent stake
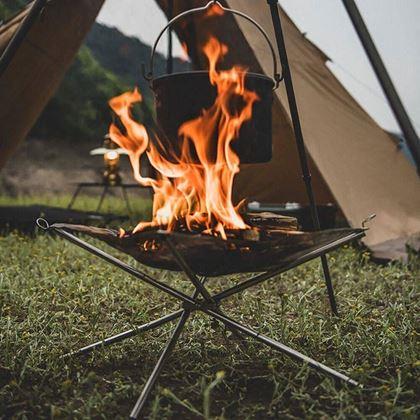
x=385 y=81
x=300 y=143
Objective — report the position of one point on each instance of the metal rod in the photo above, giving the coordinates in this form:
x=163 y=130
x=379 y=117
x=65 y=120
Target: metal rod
x=101 y=184
x=170 y=59
x=187 y=269
x=75 y=195
x=127 y=268
x=253 y=281
x=385 y=81
x=294 y=113
x=328 y=283
x=135 y=331
x=127 y=334
x=156 y=371
x=127 y=202
x=142 y=399
x=101 y=199
x=194 y=279
x=277 y=77
x=20 y=34
x=280 y=347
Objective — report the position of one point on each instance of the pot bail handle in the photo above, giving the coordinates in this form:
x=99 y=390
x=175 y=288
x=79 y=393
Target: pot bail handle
x=277 y=77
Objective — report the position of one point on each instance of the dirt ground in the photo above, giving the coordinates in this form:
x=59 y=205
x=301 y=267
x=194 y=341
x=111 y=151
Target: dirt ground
x=54 y=166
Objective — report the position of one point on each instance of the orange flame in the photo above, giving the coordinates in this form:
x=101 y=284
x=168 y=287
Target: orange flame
x=198 y=193
x=214 y=10
x=184 y=52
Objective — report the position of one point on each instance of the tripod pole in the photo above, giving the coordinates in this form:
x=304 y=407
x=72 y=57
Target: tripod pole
x=294 y=113
x=385 y=81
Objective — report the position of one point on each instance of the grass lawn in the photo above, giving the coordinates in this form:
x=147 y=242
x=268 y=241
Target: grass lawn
x=55 y=297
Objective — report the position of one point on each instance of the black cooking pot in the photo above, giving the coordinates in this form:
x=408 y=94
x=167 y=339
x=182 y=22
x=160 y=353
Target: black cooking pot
x=181 y=97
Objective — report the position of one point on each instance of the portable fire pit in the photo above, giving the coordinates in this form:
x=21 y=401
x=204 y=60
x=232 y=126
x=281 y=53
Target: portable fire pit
x=263 y=247
x=179 y=251
x=196 y=229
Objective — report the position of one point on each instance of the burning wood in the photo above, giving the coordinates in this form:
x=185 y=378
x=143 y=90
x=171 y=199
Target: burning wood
x=260 y=226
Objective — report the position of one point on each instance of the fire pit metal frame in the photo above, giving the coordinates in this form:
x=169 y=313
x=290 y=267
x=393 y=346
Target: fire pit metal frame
x=202 y=300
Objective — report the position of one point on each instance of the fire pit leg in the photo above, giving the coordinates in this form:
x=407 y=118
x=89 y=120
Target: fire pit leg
x=126 y=334
x=188 y=271
x=156 y=371
x=280 y=347
x=196 y=282
x=184 y=313
x=132 y=332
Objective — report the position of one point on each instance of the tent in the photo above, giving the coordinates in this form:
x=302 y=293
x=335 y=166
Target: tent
x=39 y=64
x=354 y=162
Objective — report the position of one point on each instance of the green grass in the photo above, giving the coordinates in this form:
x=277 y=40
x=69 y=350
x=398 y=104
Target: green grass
x=54 y=297
x=113 y=203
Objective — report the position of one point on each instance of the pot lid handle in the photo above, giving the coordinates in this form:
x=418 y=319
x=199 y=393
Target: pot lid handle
x=277 y=77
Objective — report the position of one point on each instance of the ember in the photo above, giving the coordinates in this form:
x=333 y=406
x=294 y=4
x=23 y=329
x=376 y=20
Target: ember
x=195 y=188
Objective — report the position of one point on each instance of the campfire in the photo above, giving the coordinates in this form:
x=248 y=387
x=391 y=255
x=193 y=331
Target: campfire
x=193 y=188
x=195 y=171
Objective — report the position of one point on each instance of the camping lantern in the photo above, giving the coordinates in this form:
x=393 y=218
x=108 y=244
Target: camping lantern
x=254 y=143
x=111 y=153
x=111 y=160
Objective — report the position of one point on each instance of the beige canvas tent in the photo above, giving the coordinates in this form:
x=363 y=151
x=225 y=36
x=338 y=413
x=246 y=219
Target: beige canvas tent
x=39 y=64
x=354 y=162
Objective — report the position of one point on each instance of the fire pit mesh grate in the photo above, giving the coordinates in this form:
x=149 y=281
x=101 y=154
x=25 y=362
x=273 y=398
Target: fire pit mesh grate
x=211 y=256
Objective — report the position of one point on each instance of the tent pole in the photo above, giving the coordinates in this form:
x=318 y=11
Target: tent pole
x=20 y=34
x=382 y=74
x=294 y=113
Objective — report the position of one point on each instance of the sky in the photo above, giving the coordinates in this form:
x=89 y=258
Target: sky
x=394 y=26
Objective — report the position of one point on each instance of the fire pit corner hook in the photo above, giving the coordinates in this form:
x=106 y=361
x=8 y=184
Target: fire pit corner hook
x=42 y=223
x=367 y=220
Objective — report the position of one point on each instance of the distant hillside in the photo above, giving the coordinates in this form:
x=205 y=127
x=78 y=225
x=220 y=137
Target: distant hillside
x=108 y=64
x=124 y=56
x=79 y=109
